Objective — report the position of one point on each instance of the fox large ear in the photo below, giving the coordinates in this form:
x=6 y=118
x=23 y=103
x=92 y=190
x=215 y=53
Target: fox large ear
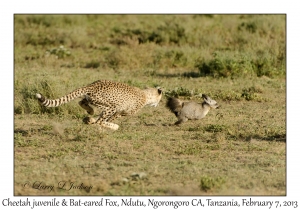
x=204 y=96
x=159 y=90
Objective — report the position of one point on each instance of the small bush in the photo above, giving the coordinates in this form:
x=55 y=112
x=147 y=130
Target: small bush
x=224 y=65
x=208 y=183
x=27 y=102
x=177 y=57
x=181 y=91
x=251 y=94
x=41 y=20
x=168 y=33
x=60 y=52
x=248 y=26
x=228 y=95
x=173 y=32
x=92 y=65
x=112 y=60
x=236 y=65
x=192 y=149
x=266 y=64
x=215 y=128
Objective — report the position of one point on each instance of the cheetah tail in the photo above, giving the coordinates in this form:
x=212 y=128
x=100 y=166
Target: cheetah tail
x=57 y=102
x=175 y=105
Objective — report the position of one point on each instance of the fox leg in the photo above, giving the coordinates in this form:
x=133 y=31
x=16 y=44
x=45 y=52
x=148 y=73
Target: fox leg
x=181 y=120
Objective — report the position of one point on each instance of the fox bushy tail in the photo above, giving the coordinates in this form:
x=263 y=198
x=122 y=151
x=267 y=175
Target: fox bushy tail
x=175 y=105
x=65 y=99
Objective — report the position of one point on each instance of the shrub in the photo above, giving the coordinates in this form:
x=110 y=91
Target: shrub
x=248 y=26
x=92 y=65
x=60 y=52
x=250 y=94
x=181 y=91
x=208 y=183
x=224 y=65
x=168 y=33
x=215 y=128
x=241 y=64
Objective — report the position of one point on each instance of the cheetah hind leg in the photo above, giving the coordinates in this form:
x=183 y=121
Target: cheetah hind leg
x=85 y=105
x=90 y=120
x=114 y=117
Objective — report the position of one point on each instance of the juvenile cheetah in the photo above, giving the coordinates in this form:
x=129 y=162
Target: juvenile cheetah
x=190 y=110
x=113 y=98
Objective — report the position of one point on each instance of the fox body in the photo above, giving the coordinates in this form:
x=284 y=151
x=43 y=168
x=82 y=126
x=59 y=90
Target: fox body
x=190 y=110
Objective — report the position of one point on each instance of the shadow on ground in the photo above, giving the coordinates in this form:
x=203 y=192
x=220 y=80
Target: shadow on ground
x=276 y=137
x=185 y=74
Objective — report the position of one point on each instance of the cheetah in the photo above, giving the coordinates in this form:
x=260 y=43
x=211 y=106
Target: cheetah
x=190 y=110
x=114 y=99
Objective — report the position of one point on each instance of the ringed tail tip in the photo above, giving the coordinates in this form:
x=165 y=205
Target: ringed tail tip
x=40 y=97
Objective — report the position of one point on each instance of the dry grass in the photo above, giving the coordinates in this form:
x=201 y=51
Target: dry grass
x=239 y=149
x=243 y=142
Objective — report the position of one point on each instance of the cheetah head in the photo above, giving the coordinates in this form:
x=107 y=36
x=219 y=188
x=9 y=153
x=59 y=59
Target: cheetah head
x=153 y=96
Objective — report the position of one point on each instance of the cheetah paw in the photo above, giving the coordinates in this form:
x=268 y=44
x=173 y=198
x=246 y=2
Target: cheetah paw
x=89 y=120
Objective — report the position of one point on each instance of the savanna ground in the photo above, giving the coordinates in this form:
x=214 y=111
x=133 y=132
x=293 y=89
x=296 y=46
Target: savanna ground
x=238 y=60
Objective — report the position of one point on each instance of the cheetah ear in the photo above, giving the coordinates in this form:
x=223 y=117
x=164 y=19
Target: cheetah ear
x=159 y=90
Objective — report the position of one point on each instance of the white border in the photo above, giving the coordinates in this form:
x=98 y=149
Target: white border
x=8 y=9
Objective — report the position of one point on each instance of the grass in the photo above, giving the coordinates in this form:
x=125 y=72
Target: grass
x=239 y=149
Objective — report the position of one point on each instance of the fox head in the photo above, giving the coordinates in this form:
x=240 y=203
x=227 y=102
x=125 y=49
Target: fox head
x=210 y=102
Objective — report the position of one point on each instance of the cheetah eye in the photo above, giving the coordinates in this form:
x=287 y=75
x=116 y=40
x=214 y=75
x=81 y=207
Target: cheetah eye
x=159 y=90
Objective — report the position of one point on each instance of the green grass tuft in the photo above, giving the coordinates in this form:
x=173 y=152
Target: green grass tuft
x=209 y=183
